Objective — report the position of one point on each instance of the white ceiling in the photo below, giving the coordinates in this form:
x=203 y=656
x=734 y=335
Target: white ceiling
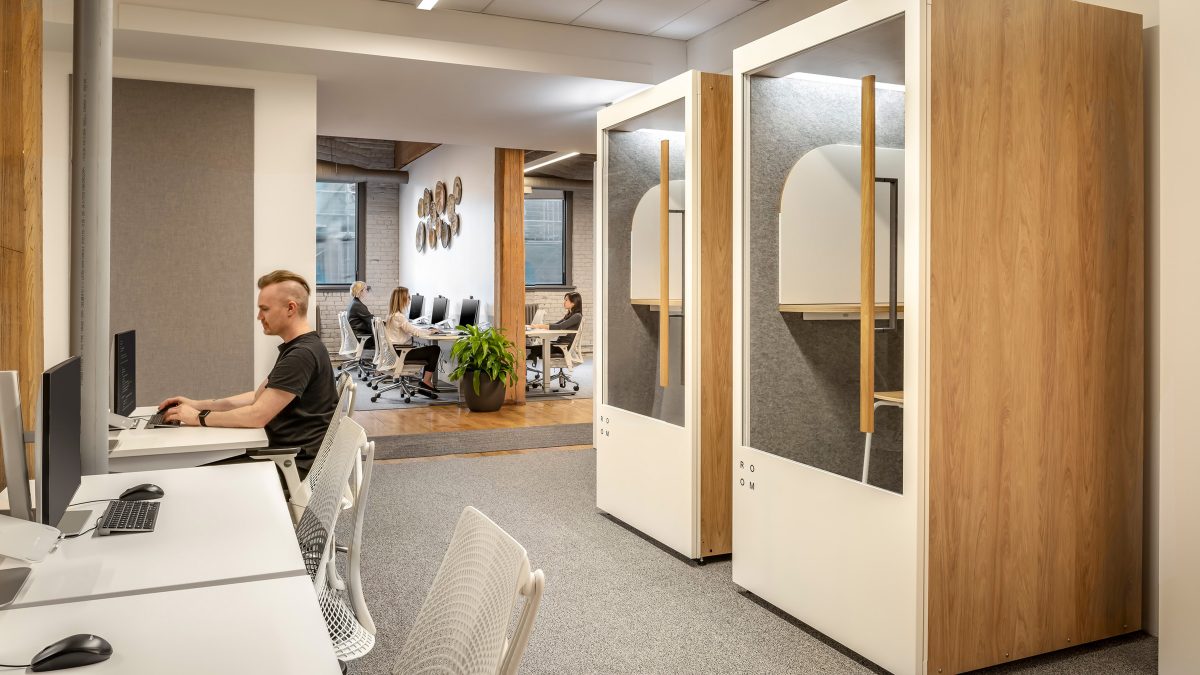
x=675 y=19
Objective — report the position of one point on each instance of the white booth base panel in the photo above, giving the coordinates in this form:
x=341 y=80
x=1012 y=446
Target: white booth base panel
x=649 y=485
x=837 y=555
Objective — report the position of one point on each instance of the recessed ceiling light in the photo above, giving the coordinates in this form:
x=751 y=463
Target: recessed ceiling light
x=426 y=4
x=548 y=160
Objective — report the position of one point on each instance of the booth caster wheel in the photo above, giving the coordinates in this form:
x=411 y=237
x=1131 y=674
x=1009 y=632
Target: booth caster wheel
x=700 y=562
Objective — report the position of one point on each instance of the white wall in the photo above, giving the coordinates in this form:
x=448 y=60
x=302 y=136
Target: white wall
x=467 y=268
x=1179 y=326
x=285 y=132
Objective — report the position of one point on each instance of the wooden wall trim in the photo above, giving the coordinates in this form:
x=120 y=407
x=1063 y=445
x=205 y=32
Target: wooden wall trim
x=510 y=257
x=21 y=197
x=1036 y=329
x=716 y=307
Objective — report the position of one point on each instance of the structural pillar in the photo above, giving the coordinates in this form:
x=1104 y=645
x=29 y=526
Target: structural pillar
x=510 y=258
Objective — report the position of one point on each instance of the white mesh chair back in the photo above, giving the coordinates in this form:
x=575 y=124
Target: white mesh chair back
x=314 y=531
x=385 y=351
x=345 y=406
x=574 y=352
x=344 y=605
x=350 y=345
x=539 y=316
x=463 y=626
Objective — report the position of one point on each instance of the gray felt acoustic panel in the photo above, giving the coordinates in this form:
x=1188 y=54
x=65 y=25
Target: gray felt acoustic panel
x=802 y=375
x=183 y=235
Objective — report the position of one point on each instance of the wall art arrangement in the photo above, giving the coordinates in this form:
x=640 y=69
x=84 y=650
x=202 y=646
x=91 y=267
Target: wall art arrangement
x=437 y=211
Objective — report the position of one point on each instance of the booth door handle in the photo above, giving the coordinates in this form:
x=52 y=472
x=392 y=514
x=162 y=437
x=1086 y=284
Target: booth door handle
x=866 y=315
x=664 y=263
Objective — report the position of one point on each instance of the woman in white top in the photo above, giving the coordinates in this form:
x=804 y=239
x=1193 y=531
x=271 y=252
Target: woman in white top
x=401 y=332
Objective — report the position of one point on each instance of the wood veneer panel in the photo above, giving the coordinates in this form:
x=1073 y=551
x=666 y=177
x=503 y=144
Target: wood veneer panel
x=716 y=294
x=664 y=263
x=510 y=258
x=21 y=197
x=1036 y=344
x=866 y=315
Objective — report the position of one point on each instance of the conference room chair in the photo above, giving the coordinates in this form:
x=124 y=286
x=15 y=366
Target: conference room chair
x=565 y=363
x=381 y=363
x=397 y=374
x=463 y=625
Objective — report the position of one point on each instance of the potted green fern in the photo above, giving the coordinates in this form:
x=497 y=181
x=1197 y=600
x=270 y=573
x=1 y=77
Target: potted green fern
x=486 y=360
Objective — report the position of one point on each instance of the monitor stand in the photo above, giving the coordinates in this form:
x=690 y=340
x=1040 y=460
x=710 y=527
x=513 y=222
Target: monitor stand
x=75 y=522
x=116 y=422
x=12 y=580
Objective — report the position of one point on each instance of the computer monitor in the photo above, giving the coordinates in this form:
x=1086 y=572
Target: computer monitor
x=58 y=440
x=12 y=436
x=416 y=306
x=468 y=313
x=124 y=373
x=440 y=304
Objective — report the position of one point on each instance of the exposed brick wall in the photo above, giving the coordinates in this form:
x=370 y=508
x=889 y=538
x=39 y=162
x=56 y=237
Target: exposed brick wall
x=383 y=262
x=583 y=268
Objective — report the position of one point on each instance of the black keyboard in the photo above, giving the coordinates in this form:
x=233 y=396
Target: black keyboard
x=128 y=517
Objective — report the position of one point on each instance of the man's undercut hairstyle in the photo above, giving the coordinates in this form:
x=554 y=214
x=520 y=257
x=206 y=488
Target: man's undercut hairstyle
x=284 y=276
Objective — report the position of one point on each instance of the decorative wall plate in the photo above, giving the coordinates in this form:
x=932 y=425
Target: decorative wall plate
x=457 y=190
x=444 y=232
x=420 y=237
x=431 y=238
x=451 y=208
x=421 y=207
x=428 y=197
x=454 y=223
x=439 y=196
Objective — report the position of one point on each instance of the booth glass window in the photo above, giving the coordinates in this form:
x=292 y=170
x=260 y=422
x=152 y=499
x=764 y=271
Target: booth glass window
x=547 y=241
x=645 y=301
x=805 y=353
x=340 y=241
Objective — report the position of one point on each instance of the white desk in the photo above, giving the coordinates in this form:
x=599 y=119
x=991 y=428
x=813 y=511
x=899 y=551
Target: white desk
x=153 y=449
x=546 y=335
x=216 y=524
x=271 y=626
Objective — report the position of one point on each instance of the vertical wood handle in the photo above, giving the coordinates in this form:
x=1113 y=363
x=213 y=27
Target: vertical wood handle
x=866 y=312
x=664 y=263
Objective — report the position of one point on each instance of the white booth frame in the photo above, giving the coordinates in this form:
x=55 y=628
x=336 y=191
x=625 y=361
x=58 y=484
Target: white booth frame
x=847 y=558
x=656 y=492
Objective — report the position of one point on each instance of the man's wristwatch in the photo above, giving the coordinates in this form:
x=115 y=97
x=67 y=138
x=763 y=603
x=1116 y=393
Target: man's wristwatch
x=203 y=414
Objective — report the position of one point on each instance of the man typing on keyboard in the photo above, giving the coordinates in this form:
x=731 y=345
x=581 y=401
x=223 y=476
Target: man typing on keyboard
x=295 y=403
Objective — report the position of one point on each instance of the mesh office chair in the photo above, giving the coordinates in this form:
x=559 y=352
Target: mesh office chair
x=314 y=531
x=351 y=348
x=463 y=625
x=381 y=364
x=299 y=498
x=399 y=375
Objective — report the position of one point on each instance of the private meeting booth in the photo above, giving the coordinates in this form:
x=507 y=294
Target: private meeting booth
x=663 y=395
x=938 y=327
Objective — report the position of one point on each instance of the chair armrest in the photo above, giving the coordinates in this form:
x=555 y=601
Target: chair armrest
x=271 y=452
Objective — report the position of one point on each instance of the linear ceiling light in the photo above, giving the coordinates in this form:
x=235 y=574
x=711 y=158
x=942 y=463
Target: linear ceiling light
x=426 y=4
x=548 y=160
x=830 y=79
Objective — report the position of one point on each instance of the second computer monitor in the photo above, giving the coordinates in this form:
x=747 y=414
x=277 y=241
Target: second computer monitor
x=416 y=306
x=124 y=373
x=468 y=314
x=58 y=439
x=440 y=304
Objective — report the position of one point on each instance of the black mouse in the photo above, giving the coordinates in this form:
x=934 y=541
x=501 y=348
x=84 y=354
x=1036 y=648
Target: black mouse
x=141 y=493
x=71 y=652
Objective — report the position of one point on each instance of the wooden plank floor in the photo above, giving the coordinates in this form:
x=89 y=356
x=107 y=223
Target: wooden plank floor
x=493 y=453
x=453 y=418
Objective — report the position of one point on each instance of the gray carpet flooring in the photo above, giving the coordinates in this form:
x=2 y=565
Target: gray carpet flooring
x=455 y=442
x=614 y=602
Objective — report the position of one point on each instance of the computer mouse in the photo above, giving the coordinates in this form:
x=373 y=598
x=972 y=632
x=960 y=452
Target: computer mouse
x=165 y=408
x=72 y=652
x=141 y=493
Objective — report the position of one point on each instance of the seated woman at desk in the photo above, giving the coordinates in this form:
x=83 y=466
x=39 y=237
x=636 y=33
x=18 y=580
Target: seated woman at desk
x=573 y=303
x=401 y=331
x=360 y=317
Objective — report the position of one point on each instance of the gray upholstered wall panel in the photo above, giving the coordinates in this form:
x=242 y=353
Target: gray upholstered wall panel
x=183 y=235
x=802 y=385
x=631 y=352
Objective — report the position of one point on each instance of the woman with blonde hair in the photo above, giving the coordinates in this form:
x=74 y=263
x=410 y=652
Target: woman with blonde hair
x=360 y=317
x=401 y=332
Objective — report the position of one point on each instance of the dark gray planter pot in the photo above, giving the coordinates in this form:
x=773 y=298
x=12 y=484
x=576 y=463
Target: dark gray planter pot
x=490 y=396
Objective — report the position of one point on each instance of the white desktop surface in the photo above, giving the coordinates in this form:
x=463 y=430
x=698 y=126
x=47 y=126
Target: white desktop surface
x=270 y=626
x=216 y=524
x=150 y=449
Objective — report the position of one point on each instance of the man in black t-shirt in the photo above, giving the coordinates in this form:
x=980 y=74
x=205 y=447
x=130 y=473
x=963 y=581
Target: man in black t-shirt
x=296 y=401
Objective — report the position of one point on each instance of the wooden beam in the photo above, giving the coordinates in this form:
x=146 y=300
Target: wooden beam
x=408 y=152
x=510 y=258
x=21 y=197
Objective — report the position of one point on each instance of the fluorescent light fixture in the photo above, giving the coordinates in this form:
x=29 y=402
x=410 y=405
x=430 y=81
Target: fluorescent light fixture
x=548 y=160
x=829 y=79
x=426 y=4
